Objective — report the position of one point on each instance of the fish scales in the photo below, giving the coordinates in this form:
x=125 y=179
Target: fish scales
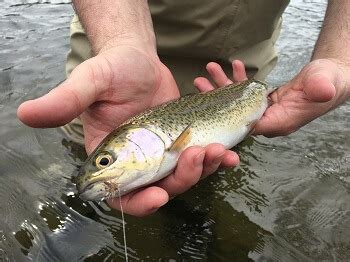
x=221 y=107
x=146 y=148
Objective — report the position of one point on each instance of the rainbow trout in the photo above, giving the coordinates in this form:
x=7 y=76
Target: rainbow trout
x=146 y=148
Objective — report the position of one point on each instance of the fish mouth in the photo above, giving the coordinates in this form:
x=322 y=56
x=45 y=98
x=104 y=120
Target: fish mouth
x=87 y=194
x=98 y=187
x=98 y=191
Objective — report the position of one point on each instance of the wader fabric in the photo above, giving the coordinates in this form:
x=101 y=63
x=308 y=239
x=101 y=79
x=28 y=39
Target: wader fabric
x=191 y=33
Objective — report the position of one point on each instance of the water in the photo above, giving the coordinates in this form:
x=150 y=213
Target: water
x=289 y=199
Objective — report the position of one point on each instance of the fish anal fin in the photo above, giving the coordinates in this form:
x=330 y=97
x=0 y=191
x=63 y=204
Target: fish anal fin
x=182 y=141
x=269 y=101
x=251 y=126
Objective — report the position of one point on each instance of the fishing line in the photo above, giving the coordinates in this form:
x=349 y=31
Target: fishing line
x=124 y=233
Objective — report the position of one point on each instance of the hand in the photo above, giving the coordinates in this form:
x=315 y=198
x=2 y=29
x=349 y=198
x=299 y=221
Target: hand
x=104 y=91
x=110 y=88
x=320 y=86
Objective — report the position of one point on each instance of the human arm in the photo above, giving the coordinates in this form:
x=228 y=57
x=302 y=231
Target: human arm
x=121 y=23
x=321 y=85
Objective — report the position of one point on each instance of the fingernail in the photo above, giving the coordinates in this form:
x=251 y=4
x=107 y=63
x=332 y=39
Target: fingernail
x=218 y=159
x=198 y=161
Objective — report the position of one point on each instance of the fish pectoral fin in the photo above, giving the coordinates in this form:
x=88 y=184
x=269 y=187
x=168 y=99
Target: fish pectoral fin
x=269 y=101
x=182 y=141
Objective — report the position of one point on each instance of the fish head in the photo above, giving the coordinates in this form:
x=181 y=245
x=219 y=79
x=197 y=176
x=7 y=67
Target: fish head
x=125 y=160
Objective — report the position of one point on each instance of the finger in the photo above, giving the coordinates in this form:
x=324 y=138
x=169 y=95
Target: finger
x=319 y=87
x=213 y=158
x=216 y=156
x=203 y=84
x=230 y=159
x=142 y=202
x=239 y=73
x=66 y=101
x=187 y=173
x=218 y=74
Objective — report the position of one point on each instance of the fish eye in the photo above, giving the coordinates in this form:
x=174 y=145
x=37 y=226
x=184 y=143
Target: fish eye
x=104 y=160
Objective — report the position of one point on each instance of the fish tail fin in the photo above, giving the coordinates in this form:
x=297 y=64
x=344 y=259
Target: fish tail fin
x=268 y=87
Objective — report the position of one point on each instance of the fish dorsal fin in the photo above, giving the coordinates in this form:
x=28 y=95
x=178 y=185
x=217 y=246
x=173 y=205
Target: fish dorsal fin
x=182 y=141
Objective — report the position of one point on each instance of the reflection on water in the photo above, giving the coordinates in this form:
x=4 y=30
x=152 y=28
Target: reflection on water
x=290 y=197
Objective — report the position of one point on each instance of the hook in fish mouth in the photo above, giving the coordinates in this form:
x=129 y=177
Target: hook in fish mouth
x=100 y=188
x=111 y=188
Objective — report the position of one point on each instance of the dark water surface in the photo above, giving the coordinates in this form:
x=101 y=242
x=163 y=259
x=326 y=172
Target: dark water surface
x=289 y=199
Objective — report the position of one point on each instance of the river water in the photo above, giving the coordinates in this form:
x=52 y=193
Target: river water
x=288 y=200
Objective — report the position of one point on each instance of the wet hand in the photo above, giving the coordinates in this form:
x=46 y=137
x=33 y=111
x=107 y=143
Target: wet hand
x=319 y=87
x=194 y=164
x=104 y=91
x=107 y=90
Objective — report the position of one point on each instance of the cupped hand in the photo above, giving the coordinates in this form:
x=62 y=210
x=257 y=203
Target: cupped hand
x=105 y=91
x=320 y=86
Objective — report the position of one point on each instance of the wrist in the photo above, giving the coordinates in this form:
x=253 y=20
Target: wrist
x=110 y=24
x=337 y=73
x=342 y=80
x=146 y=46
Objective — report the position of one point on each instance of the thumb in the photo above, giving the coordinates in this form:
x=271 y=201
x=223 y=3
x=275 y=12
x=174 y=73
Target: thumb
x=319 y=85
x=65 y=102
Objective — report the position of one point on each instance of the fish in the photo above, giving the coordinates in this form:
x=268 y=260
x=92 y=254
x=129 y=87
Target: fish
x=146 y=148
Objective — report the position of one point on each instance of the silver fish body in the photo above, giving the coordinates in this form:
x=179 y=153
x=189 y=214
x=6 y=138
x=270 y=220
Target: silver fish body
x=146 y=148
